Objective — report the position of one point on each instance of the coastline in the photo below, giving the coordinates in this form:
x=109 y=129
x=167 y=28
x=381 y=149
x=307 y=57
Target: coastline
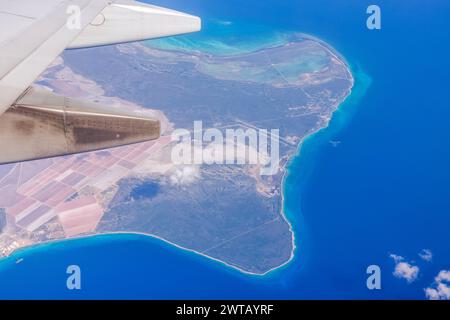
x=307 y=137
x=283 y=211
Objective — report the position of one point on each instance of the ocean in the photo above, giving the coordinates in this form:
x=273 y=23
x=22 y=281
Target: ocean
x=382 y=190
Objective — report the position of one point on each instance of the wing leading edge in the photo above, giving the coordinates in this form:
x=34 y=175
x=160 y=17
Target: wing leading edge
x=126 y=21
x=25 y=56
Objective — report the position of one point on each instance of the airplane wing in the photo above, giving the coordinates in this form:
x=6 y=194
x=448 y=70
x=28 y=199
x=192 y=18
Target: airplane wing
x=32 y=35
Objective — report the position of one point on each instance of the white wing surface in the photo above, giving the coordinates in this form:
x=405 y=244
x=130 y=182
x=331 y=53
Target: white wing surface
x=36 y=124
x=35 y=34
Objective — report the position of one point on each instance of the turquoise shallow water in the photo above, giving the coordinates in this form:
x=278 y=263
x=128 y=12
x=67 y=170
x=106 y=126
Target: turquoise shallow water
x=383 y=189
x=224 y=38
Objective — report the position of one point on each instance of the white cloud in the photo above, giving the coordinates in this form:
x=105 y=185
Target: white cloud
x=426 y=255
x=444 y=275
x=440 y=290
x=404 y=269
x=397 y=258
x=185 y=176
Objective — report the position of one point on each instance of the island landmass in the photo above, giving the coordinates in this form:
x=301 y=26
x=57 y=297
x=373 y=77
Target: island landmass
x=229 y=213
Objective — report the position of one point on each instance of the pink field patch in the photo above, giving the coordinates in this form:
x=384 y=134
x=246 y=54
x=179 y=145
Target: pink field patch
x=80 y=216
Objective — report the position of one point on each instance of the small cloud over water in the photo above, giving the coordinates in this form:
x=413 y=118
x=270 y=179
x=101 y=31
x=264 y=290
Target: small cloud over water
x=440 y=289
x=404 y=270
x=426 y=255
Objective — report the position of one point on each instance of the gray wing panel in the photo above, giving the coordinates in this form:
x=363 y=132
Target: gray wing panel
x=42 y=125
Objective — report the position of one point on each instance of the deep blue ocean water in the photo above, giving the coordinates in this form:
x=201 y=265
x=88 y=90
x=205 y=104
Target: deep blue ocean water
x=384 y=189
